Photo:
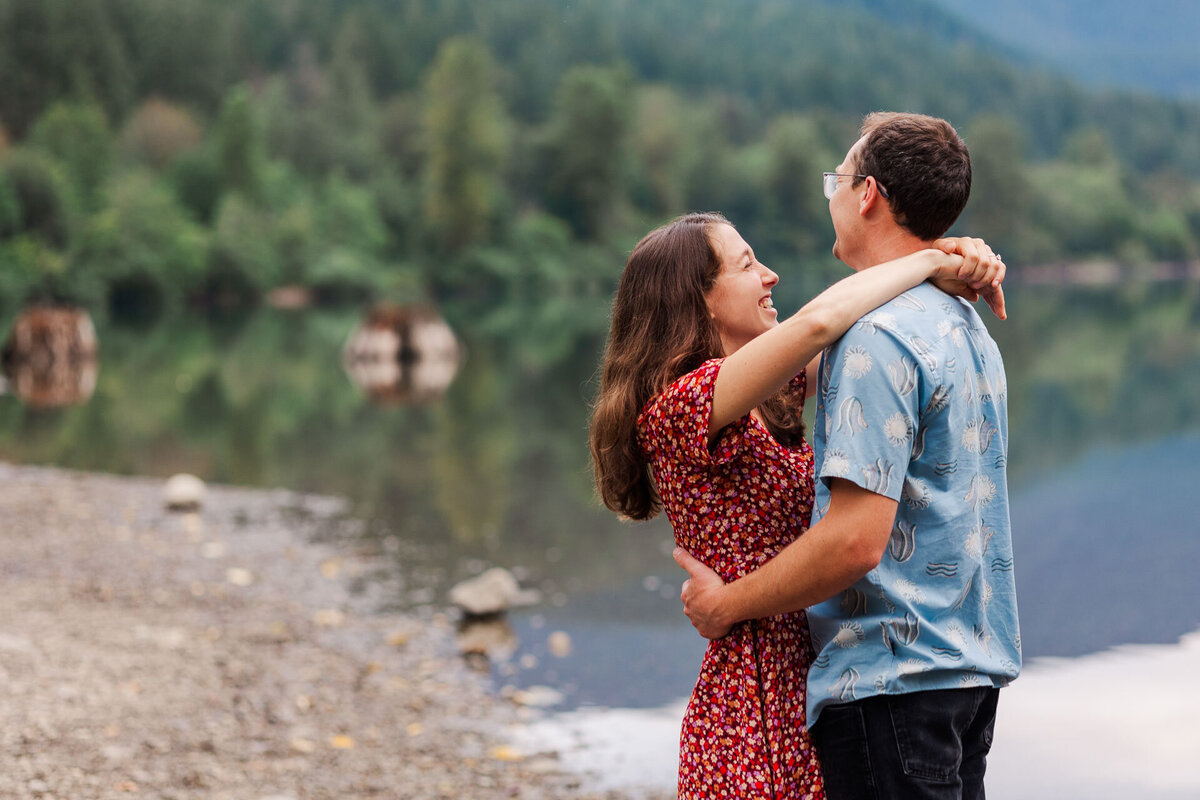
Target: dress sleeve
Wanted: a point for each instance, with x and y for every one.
(676, 421)
(798, 386)
(871, 403)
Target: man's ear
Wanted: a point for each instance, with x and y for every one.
(870, 196)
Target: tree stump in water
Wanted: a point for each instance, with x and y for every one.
(50, 357)
(402, 355)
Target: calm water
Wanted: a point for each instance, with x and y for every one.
(1104, 463)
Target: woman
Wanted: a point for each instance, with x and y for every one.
(699, 415)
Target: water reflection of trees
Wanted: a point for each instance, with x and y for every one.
(498, 470)
(1093, 366)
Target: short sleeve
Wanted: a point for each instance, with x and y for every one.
(798, 387)
(871, 410)
(676, 420)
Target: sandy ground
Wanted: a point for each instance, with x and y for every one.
(218, 654)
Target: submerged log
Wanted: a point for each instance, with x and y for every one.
(402, 355)
(49, 357)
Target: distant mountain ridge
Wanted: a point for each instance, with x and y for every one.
(1149, 45)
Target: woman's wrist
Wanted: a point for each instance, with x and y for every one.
(943, 265)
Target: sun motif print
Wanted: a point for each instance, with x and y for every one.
(912, 406)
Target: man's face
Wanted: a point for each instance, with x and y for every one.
(843, 209)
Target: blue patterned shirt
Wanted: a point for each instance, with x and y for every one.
(913, 405)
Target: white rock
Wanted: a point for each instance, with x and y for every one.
(184, 492)
(239, 577)
(16, 644)
(559, 644)
(491, 593)
(538, 697)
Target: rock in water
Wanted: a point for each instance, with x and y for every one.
(492, 637)
(50, 357)
(402, 354)
(492, 592)
(184, 492)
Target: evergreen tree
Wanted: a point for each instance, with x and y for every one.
(466, 138)
(1001, 194)
(240, 145)
(78, 137)
(587, 148)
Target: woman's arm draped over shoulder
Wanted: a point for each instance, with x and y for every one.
(756, 370)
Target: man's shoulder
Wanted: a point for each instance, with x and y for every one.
(907, 320)
(923, 314)
(921, 305)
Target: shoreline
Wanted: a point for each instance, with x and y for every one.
(224, 653)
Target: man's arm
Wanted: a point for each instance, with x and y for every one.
(843, 547)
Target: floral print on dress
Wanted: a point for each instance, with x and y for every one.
(734, 507)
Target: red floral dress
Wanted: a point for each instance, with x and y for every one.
(734, 508)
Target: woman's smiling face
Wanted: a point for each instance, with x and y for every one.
(740, 299)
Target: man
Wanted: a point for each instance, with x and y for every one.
(908, 565)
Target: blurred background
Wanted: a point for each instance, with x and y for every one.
(367, 248)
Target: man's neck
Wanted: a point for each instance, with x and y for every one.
(885, 245)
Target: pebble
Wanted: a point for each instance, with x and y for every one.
(184, 492)
(559, 644)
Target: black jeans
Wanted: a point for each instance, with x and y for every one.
(920, 746)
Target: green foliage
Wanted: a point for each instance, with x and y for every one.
(31, 271)
(1083, 202)
(540, 291)
(796, 156)
(586, 148)
(239, 145)
(196, 178)
(190, 51)
(43, 197)
(1165, 234)
(412, 146)
(10, 206)
(242, 248)
(323, 119)
(664, 151)
(144, 239)
(77, 136)
(351, 239)
(466, 132)
(400, 134)
(1001, 191)
(350, 218)
(59, 49)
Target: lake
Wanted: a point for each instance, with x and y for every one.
(1104, 388)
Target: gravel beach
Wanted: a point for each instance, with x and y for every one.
(226, 653)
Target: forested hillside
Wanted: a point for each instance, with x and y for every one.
(507, 155)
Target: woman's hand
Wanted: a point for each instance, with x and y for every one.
(980, 274)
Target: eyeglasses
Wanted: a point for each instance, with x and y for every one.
(831, 182)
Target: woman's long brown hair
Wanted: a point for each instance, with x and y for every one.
(661, 329)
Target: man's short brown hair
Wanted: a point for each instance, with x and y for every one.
(923, 165)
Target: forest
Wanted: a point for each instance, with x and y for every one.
(504, 157)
